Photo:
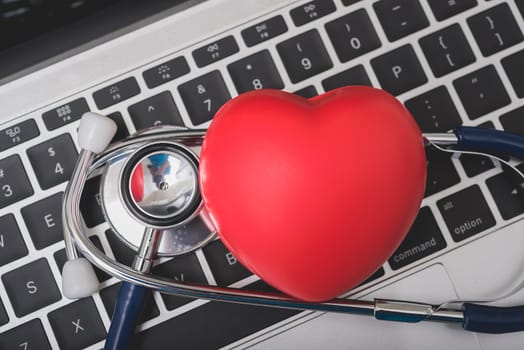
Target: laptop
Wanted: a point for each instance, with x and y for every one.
(452, 62)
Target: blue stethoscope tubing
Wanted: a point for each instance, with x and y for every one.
(136, 286)
(489, 140)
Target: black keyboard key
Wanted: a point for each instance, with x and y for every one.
(184, 268)
(61, 258)
(3, 317)
(122, 252)
(434, 111)
(520, 6)
(507, 189)
(110, 294)
(268, 29)
(512, 121)
(31, 287)
(14, 184)
(30, 335)
(399, 70)
(165, 72)
(447, 50)
(121, 131)
(65, 114)
(475, 164)
(77, 325)
(221, 323)
(376, 275)
(311, 11)
(349, 2)
(91, 204)
(352, 35)
(255, 72)
(307, 92)
(353, 76)
(156, 110)
(481, 92)
(441, 172)
(445, 9)
(203, 96)
(515, 71)
(53, 160)
(116, 92)
(225, 267)
(495, 29)
(400, 17)
(44, 220)
(423, 239)
(466, 213)
(18, 133)
(304, 56)
(215, 51)
(12, 244)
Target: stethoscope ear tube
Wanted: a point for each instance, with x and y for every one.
(486, 139)
(493, 319)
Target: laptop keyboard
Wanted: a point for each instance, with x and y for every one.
(450, 62)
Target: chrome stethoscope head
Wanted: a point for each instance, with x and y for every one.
(149, 195)
(155, 184)
(159, 185)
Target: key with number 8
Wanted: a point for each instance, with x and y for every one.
(255, 72)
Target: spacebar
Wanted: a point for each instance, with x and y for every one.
(210, 326)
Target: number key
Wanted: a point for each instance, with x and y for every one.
(53, 160)
(352, 35)
(255, 72)
(203, 96)
(304, 56)
(14, 184)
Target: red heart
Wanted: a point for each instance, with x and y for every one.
(313, 195)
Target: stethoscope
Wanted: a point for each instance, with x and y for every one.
(150, 191)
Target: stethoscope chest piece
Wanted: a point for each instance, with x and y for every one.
(156, 186)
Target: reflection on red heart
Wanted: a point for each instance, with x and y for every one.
(313, 195)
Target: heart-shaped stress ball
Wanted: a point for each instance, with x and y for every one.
(313, 195)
